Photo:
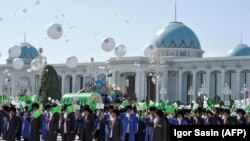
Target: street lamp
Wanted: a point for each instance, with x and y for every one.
(227, 93)
(190, 94)
(244, 91)
(163, 92)
(203, 91)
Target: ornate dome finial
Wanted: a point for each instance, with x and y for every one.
(175, 12)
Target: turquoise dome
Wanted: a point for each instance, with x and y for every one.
(28, 51)
(176, 35)
(240, 50)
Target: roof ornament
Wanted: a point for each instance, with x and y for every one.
(241, 37)
(24, 37)
(175, 12)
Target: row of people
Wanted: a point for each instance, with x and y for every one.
(110, 123)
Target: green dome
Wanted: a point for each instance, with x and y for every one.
(176, 35)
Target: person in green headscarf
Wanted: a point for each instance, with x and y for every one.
(54, 123)
(36, 123)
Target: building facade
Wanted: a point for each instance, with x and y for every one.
(177, 71)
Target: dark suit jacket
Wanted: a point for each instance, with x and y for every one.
(198, 121)
(117, 130)
(6, 119)
(242, 121)
(35, 128)
(53, 127)
(141, 130)
(88, 128)
(229, 121)
(70, 125)
(100, 133)
(13, 128)
(159, 133)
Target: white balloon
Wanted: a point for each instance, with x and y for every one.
(49, 98)
(108, 44)
(120, 50)
(14, 51)
(55, 31)
(149, 50)
(52, 100)
(17, 64)
(72, 62)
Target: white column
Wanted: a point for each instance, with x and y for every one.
(1, 84)
(157, 88)
(164, 84)
(73, 83)
(180, 85)
(222, 80)
(63, 84)
(33, 84)
(194, 85)
(238, 87)
(208, 83)
(137, 84)
(143, 82)
(13, 85)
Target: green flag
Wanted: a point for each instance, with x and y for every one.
(70, 109)
(56, 109)
(144, 106)
(37, 113)
(123, 104)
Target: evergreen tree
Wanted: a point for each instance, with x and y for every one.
(50, 86)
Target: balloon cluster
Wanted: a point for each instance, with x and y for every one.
(108, 45)
(15, 52)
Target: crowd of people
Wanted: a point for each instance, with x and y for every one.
(110, 123)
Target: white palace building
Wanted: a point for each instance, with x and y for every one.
(177, 72)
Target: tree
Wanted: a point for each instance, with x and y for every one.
(50, 86)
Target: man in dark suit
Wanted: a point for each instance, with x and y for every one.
(53, 123)
(1, 121)
(36, 123)
(13, 125)
(69, 124)
(159, 132)
(88, 124)
(6, 118)
(100, 126)
(198, 120)
(241, 117)
(20, 120)
(227, 119)
(116, 126)
(210, 120)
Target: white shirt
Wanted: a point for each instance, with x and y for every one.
(128, 116)
(65, 125)
(48, 117)
(156, 121)
(179, 121)
(112, 126)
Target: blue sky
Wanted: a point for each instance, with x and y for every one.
(134, 23)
